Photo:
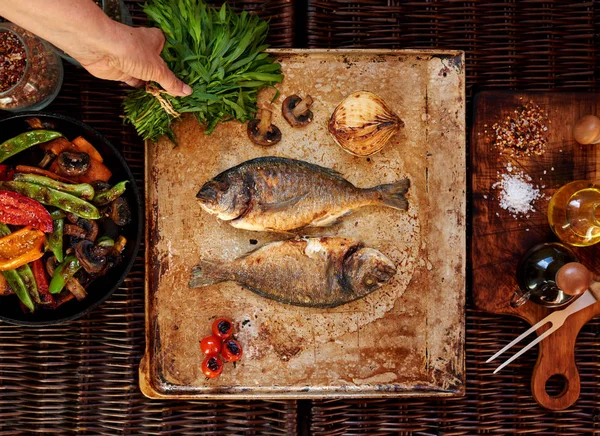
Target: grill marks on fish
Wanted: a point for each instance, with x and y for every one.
(311, 272)
(279, 194)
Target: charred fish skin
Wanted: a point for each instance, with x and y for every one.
(281, 194)
(308, 272)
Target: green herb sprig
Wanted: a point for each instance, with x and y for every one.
(219, 53)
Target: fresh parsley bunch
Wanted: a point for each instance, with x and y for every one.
(219, 53)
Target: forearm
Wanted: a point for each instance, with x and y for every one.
(79, 27)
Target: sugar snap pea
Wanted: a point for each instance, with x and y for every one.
(81, 190)
(21, 142)
(52, 197)
(63, 273)
(110, 195)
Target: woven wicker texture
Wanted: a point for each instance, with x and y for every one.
(526, 45)
(81, 377)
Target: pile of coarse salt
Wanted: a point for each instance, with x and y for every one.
(517, 192)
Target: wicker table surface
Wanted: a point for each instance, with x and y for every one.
(81, 377)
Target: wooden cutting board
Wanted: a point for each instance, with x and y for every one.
(499, 240)
(407, 338)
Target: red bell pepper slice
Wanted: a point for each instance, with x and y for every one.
(39, 272)
(18, 210)
(6, 173)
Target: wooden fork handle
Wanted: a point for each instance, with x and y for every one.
(557, 357)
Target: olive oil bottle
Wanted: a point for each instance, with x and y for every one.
(574, 213)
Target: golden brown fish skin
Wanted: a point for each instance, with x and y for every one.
(316, 272)
(279, 194)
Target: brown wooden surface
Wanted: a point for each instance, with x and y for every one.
(500, 240)
(405, 339)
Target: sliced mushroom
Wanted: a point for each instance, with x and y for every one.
(100, 186)
(119, 212)
(73, 163)
(76, 289)
(297, 111)
(81, 228)
(51, 264)
(34, 123)
(93, 259)
(261, 131)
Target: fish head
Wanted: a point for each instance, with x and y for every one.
(367, 270)
(226, 197)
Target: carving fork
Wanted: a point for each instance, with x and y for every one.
(573, 279)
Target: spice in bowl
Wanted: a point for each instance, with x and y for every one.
(13, 59)
(31, 72)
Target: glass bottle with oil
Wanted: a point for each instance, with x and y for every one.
(574, 213)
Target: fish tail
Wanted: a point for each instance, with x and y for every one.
(392, 195)
(207, 273)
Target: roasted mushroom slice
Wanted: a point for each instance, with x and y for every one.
(73, 163)
(51, 264)
(297, 111)
(76, 289)
(261, 131)
(119, 212)
(92, 258)
(81, 228)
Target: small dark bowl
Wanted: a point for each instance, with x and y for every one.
(102, 287)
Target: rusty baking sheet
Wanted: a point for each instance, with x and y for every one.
(407, 338)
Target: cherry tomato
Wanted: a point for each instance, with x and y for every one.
(212, 366)
(232, 350)
(222, 328)
(210, 345)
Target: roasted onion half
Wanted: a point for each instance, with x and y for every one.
(363, 123)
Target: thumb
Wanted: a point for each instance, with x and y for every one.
(170, 82)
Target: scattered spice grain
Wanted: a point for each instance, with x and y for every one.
(523, 132)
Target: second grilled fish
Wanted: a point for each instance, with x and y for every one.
(311, 272)
(280, 194)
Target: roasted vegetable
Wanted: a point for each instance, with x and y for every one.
(110, 195)
(18, 286)
(19, 210)
(25, 140)
(218, 53)
(81, 190)
(52, 197)
(21, 247)
(41, 280)
(63, 273)
(363, 123)
(55, 239)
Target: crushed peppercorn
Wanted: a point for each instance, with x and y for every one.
(13, 59)
(522, 133)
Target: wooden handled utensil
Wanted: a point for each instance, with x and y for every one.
(573, 279)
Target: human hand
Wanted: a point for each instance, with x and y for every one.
(133, 58)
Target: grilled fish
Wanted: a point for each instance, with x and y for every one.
(280, 194)
(310, 272)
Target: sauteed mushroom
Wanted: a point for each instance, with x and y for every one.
(73, 163)
(93, 258)
(297, 111)
(119, 212)
(81, 228)
(261, 131)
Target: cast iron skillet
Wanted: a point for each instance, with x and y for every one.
(102, 287)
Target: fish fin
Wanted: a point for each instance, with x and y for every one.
(281, 205)
(330, 220)
(392, 195)
(207, 273)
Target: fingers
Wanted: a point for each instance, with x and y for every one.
(134, 83)
(170, 82)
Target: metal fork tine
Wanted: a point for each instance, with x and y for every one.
(538, 339)
(520, 338)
